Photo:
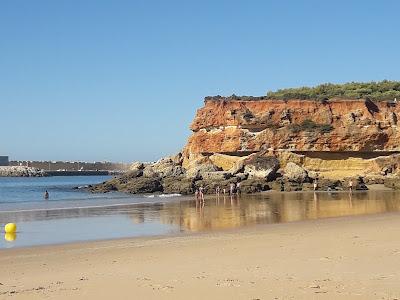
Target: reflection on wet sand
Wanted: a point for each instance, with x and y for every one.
(230, 212)
(221, 212)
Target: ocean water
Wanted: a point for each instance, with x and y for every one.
(72, 215)
(31, 189)
(27, 193)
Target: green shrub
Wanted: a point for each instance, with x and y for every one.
(310, 126)
(382, 90)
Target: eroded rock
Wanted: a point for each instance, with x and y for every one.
(295, 173)
(259, 166)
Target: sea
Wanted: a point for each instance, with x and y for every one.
(73, 214)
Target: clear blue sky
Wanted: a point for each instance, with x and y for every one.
(121, 80)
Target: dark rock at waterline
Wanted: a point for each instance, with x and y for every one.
(283, 184)
(143, 185)
(250, 186)
(393, 183)
(130, 175)
(105, 187)
(129, 183)
(179, 185)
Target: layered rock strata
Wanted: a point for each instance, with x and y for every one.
(239, 127)
(276, 144)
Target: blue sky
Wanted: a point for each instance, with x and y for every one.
(121, 80)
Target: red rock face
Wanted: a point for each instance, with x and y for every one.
(239, 126)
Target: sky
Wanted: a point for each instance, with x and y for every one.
(118, 80)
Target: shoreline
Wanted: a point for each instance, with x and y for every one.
(189, 234)
(341, 258)
(185, 216)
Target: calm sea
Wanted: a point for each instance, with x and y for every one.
(72, 215)
(27, 193)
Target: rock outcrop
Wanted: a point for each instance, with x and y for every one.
(295, 173)
(243, 126)
(277, 144)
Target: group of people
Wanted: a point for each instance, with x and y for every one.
(315, 185)
(234, 189)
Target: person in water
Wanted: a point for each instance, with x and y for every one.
(46, 195)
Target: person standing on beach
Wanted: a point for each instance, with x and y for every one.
(231, 188)
(46, 195)
(238, 188)
(315, 184)
(201, 192)
(217, 190)
(351, 185)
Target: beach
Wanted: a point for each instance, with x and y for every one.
(336, 258)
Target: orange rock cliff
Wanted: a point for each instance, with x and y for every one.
(238, 126)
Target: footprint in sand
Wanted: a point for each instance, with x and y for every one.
(228, 283)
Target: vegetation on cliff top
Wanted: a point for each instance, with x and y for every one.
(382, 90)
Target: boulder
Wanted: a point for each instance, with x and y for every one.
(217, 175)
(238, 167)
(295, 173)
(137, 165)
(392, 182)
(259, 166)
(149, 172)
(169, 171)
(286, 186)
(105, 187)
(250, 186)
(196, 171)
(242, 176)
(225, 162)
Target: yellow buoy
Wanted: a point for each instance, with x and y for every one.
(10, 228)
(10, 236)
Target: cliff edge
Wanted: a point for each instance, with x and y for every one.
(277, 144)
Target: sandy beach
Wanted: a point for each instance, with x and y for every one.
(336, 258)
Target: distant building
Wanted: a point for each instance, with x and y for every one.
(4, 161)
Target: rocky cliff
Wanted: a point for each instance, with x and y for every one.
(243, 126)
(277, 144)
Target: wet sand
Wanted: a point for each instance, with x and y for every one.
(337, 258)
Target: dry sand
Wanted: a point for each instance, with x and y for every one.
(338, 258)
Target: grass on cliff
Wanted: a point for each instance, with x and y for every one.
(310, 126)
(379, 91)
